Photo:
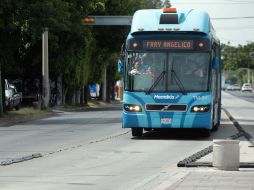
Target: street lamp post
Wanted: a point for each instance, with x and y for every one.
(248, 70)
(252, 57)
(45, 73)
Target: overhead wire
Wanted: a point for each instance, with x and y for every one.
(231, 18)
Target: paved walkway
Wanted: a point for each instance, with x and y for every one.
(205, 178)
(210, 179)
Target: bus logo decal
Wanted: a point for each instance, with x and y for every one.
(167, 97)
(166, 107)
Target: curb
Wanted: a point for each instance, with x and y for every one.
(24, 119)
(191, 160)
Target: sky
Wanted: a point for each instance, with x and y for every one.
(228, 18)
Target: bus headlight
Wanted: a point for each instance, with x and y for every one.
(200, 108)
(132, 108)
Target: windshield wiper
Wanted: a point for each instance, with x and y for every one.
(158, 79)
(178, 81)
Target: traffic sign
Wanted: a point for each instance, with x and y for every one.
(108, 20)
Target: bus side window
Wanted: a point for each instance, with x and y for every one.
(214, 74)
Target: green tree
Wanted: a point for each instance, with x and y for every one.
(10, 42)
(109, 39)
(238, 59)
(67, 38)
(77, 54)
(167, 3)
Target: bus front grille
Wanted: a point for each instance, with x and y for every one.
(166, 107)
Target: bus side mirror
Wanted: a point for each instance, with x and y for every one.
(121, 60)
(122, 54)
(216, 63)
(120, 66)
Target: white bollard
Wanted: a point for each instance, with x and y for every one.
(226, 154)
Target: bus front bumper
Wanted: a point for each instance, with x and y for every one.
(167, 120)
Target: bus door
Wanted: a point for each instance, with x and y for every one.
(216, 84)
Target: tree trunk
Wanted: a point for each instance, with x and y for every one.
(59, 88)
(77, 97)
(108, 84)
(65, 95)
(82, 97)
(104, 86)
(86, 94)
(101, 92)
(73, 97)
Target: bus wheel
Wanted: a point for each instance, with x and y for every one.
(137, 132)
(215, 127)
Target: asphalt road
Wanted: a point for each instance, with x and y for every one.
(248, 96)
(90, 150)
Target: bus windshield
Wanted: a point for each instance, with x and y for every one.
(167, 72)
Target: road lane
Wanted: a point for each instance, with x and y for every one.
(90, 150)
(117, 163)
(241, 109)
(248, 96)
(56, 133)
(95, 155)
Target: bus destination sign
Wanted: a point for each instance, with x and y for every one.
(168, 44)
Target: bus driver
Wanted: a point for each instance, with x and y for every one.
(194, 70)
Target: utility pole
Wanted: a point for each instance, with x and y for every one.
(45, 71)
(248, 70)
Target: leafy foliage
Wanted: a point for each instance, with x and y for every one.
(237, 57)
(239, 60)
(77, 54)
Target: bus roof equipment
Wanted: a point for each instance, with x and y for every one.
(170, 19)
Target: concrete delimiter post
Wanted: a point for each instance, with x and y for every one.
(226, 154)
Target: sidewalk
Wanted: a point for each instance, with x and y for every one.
(28, 114)
(210, 178)
(92, 105)
(23, 115)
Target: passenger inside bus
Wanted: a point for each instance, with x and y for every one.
(148, 64)
(136, 67)
(142, 73)
(194, 69)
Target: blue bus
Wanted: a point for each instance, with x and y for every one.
(171, 72)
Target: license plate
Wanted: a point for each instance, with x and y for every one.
(166, 120)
